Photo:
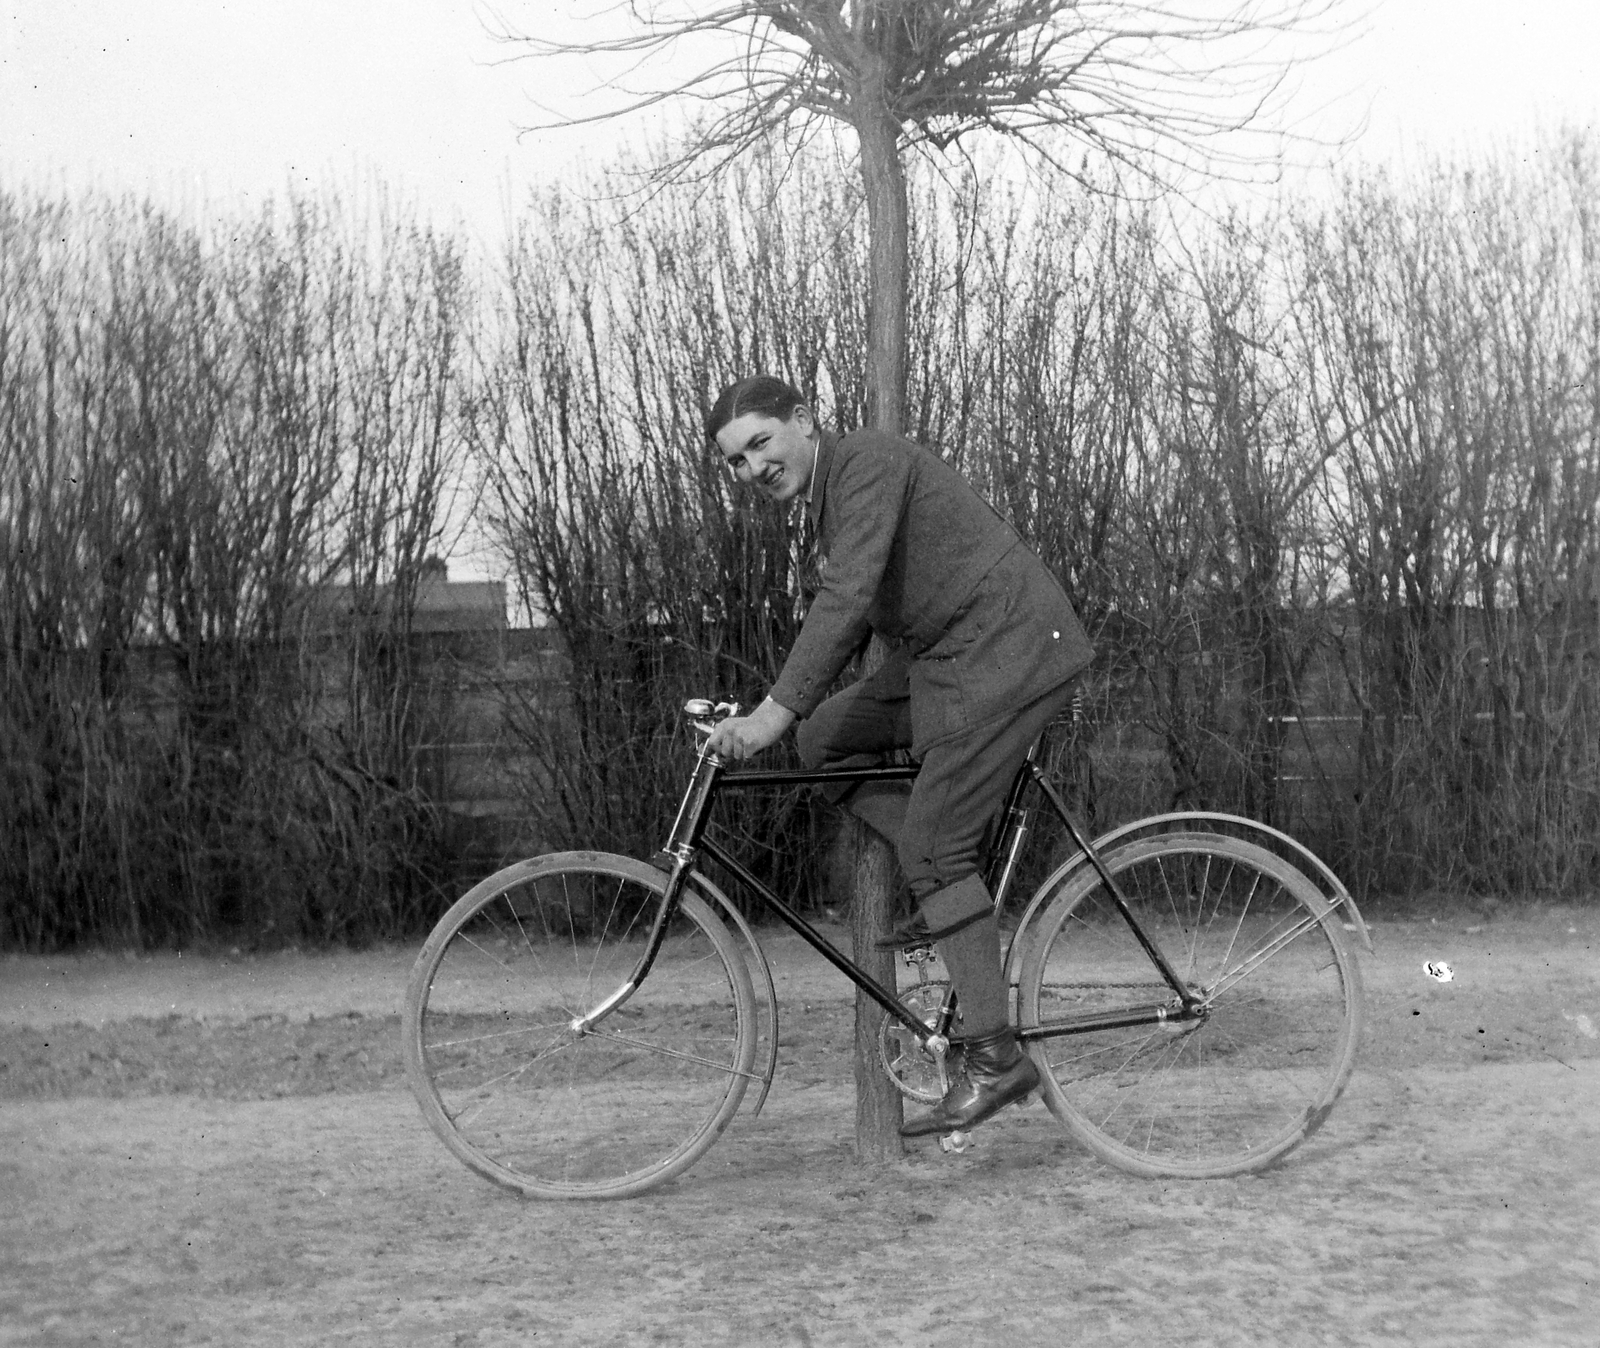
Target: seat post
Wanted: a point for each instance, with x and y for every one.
(1014, 819)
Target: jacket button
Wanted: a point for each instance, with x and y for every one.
(1056, 636)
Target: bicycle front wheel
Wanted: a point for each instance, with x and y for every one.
(1230, 1091)
(608, 1111)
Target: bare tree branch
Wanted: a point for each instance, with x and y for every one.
(1152, 86)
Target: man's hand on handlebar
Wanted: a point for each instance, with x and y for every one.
(741, 736)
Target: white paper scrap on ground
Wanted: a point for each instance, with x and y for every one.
(1439, 971)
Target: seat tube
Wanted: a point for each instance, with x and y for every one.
(1013, 832)
(1014, 835)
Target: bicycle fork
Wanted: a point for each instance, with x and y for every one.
(680, 850)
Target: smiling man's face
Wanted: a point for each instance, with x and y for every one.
(777, 456)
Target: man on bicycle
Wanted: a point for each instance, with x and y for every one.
(984, 645)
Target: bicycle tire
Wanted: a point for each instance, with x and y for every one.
(533, 1105)
(1230, 1093)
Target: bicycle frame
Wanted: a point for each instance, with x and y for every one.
(584, 1025)
(688, 840)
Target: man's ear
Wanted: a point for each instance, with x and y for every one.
(801, 416)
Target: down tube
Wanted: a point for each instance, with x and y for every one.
(818, 941)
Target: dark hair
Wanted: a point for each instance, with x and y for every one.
(759, 393)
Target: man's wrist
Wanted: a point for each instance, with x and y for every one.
(776, 712)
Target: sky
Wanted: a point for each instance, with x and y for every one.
(212, 105)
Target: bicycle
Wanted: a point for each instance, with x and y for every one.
(585, 1025)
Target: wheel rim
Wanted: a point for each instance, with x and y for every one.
(1257, 1073)
(520, 1096)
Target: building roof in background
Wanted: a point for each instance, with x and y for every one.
(442, 605)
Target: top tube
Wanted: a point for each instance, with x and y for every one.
(799, 776)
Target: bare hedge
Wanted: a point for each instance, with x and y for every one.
(1324, 485)
(198, 432)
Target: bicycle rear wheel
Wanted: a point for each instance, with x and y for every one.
(529, 1103)
(1222, 1095)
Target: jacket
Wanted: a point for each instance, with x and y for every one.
(908, 549)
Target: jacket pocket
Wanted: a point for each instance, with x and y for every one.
(940, 705)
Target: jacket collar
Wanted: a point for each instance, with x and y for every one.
(819, 476)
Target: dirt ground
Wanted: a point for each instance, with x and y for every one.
(223, 1151)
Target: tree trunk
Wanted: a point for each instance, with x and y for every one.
(884, 179)
(879, 1107)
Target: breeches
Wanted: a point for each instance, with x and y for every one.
(937, 821)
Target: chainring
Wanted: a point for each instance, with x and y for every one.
(910, 1066)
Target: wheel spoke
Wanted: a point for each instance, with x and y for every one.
(664, 1052)
(1264, 953)
(486, 1095)
(497, 1034)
